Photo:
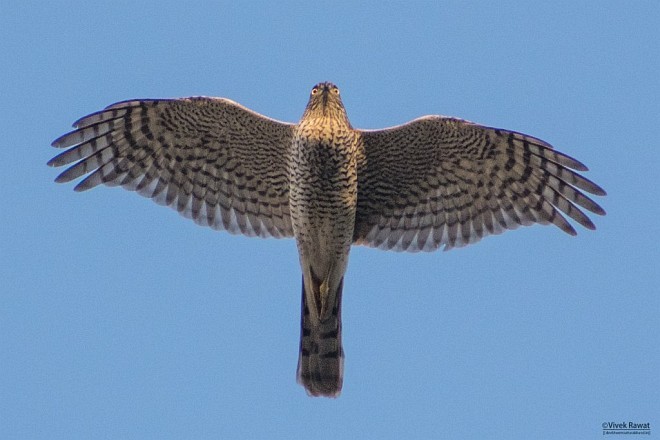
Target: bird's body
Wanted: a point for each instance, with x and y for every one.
(433, 182)
(323, 203)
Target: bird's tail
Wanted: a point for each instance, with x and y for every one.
(321, 358)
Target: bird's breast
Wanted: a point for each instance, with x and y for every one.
(323, 180)
(323, 164)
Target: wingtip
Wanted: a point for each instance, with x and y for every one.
(579, 165)
(600, 191)
(57, 143)
(569, 229)
(80, 187)
(590, 225)
(62, 178)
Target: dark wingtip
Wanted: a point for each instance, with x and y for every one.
(568, 228)
(56, 143)
(577, 165)
(589, 225)
(62, 178)
(600, 192)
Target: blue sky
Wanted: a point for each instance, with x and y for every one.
(121, 319)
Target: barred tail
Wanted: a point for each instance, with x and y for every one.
(321, 358)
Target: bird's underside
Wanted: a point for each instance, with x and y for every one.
(435, 182)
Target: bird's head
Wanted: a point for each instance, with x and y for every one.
(324, 101)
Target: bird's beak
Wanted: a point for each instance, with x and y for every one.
(324, 96)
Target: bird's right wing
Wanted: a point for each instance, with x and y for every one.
(439, 181)
(211, 159)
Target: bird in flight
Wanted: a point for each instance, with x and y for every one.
(434, 182)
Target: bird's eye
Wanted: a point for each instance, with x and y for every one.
(335, 90)
(315, 90)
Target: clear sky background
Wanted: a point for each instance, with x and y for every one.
(120, 319)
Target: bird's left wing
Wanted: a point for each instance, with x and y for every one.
(439, 181)
(211, 159)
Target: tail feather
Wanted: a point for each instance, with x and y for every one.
(321, 358)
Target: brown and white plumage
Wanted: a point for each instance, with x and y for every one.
(433, 182)
(211, 159)
(439, 181)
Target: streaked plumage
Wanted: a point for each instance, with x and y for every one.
(433, 182)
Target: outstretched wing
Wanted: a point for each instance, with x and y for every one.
(211, 159)
(439, 181)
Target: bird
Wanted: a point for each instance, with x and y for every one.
(436, 182)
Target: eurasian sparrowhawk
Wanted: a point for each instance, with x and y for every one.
(433, 182)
